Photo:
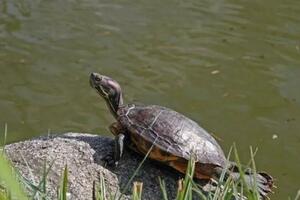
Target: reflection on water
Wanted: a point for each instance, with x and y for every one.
(232, 66)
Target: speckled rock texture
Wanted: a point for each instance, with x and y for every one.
(83, 154)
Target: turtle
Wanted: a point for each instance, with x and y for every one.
(172, 137)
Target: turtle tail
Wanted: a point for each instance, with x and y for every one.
(262, 180)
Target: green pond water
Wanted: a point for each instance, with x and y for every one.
(233, 66)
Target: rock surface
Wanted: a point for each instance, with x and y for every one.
(83, 154)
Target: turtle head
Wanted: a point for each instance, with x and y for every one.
(109, 89)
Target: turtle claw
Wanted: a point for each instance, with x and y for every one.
(109, 161)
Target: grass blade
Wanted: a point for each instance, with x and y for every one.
(137, 191)
(62, 192)
(99, 191)
(253, 166)
(185, 187)
(5, 135)
(298, 195)
(163, 188)
(135, 172)
(9, 179)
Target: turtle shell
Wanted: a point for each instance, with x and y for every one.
(175, 137)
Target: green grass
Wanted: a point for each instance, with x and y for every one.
(10, 187)
(12, 184)
(187, 188)
(63, 189)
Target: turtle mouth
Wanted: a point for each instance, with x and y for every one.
(97, 88)
(101, 84)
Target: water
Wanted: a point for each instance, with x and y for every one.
(232, 66)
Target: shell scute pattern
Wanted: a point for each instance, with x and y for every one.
(172, 132)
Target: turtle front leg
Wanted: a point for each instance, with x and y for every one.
(119, 133)
(119, 148)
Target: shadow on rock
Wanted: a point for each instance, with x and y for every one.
(148, 174)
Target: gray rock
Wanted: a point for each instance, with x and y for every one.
(83, 154)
